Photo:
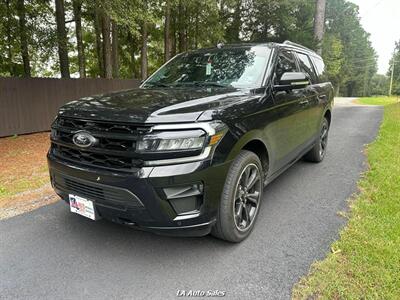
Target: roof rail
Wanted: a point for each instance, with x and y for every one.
(287, 42)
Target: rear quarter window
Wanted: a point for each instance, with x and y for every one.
(320, 69)
(306, 67)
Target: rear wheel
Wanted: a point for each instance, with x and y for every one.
(317, 153)
(240, 199)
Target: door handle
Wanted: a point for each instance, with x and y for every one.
(303, 102)
(322, 97)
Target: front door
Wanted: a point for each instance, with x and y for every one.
(290, 128)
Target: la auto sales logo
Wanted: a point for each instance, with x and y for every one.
(200, 293)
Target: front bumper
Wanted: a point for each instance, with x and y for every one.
(179, 200)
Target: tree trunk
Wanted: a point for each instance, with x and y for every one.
(62, 39)
(173, 34)
(365, 92)
(23, 38)
(181, 26)
(143, 52)
(77, 4)
(9, 39)
(196, 32)
(106, 46)
(167, 36)
(115, 57)
(319, 24)
(237, 22)
(99, 46)
(337, 90)
(132, 47)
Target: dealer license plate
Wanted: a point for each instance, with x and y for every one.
(82, 206)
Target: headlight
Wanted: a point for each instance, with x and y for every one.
(180, 143)
(172, 141)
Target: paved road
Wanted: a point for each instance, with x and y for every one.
(50, 253)
(345, 101)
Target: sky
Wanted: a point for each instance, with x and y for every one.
(381, 18)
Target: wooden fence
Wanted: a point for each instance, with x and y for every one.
(29, 105)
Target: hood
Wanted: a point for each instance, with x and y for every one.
(152, 105)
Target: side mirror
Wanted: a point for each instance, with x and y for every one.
(291, 81)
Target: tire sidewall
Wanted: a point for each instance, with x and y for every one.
(230, 231)
(324, 122)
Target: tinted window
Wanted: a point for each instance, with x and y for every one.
(237, 67)
(320, 68)
(306, 67)
(286, 63)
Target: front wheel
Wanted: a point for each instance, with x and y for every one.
(317, 153)
(240, 199)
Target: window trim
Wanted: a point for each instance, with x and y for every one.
(279, 50)
(321, 78)
(317, 79)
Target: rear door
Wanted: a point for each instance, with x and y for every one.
(324, 88)
(311, 94)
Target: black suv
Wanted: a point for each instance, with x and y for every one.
(190, 151)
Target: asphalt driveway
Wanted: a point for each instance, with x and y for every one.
(51, 253)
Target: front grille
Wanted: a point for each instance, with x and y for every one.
(94, 159)
(116, 198)
(114, 150)
(118, 144)
(89, 125)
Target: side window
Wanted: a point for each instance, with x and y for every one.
(306, 67)
(320, 68)
(286, 63)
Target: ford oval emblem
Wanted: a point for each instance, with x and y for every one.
(84, 139)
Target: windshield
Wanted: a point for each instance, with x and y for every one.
(242, 67)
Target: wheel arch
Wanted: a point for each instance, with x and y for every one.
(328, 116)
(254, 143)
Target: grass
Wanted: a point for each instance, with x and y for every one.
(23, 185)
(378, 100)
(365, 261)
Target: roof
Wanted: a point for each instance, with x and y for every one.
(285, 44)
(299, 47)
(237, 45)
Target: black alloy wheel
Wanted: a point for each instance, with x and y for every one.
(240, 199)
(247, 197)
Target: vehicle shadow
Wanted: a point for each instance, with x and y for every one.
(105, 234)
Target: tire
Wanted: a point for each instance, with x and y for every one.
(241, 198)
(318, 152)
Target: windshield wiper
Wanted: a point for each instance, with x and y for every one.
(202, 83)
(156, 84)
(207, 83)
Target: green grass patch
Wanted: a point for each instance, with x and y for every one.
(378, 100)
(22, 185)
(3, 191)
(365, 261)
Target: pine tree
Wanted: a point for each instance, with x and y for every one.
(62, 39)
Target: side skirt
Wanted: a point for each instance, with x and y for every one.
(271, 178)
